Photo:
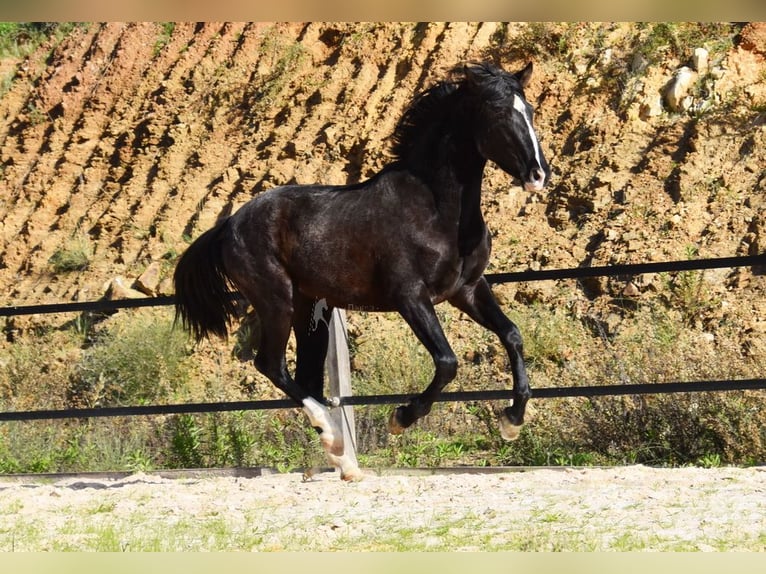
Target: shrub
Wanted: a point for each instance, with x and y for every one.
(137, 359)
(281, 440)
(74, 255)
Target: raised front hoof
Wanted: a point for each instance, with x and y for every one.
(394, 426)
(399, 420)
(510, 427)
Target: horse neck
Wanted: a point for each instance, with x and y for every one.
(455, 179)
(447, 161)
(466, 178)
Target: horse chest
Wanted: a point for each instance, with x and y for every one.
(475, 261)
(446, 279)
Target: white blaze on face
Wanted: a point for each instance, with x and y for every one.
(518, 105)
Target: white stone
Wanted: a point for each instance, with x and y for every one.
(606, 57)
(117, 288)
(650, 107)
(700, 60)
(639, 64)
(676, 91)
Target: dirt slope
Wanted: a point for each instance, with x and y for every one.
(135, 137)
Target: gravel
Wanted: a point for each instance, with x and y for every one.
(621, 508)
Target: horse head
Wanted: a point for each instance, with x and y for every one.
(503, 125)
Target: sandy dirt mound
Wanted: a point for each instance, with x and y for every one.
(134, 138)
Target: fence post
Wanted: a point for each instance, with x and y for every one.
(339, 375)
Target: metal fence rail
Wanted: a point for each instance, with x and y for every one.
(360, 400)
(755, 261)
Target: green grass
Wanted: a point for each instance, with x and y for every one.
(17, 39)
(136, 357)
(20, 39)
(286, 59)
(74, 255)
(105, 530)
(141, 360)
(166, 32)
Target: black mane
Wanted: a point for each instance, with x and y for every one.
(428, 109)
(423, 113)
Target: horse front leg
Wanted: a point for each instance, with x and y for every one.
(478, 302)
(422, 319)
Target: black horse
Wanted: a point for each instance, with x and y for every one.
(405, 240)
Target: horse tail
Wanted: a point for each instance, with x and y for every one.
(202, 298)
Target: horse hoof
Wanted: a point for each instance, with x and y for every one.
(352, 475)
(394, 422)
(349, 470)
(508, 430)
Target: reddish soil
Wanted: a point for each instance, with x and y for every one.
(137, 141)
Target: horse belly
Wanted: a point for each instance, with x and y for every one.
(345, 275)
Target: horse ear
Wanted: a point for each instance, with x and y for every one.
(524, 75)
(469, 72)
(476, 74)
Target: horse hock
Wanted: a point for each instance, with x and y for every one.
(332, 440)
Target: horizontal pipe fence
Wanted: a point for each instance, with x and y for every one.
(754, 261)
(457, 396)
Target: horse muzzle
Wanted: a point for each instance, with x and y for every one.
(536, 180)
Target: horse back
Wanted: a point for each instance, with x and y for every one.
(356, 246)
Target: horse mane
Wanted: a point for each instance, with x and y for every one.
(421, 114)
(428, 108)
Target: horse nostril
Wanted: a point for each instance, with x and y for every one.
(536, 180)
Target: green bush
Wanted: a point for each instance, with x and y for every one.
(137, 359)
(19, 38)
(74, 255)
(281, 440)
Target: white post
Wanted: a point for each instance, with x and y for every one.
(339, 375)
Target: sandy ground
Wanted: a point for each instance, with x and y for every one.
(601, 509)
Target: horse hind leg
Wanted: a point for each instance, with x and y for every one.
(330, 436)
(311, 326)
(270, 361)
(312, 334)
(332, 440)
